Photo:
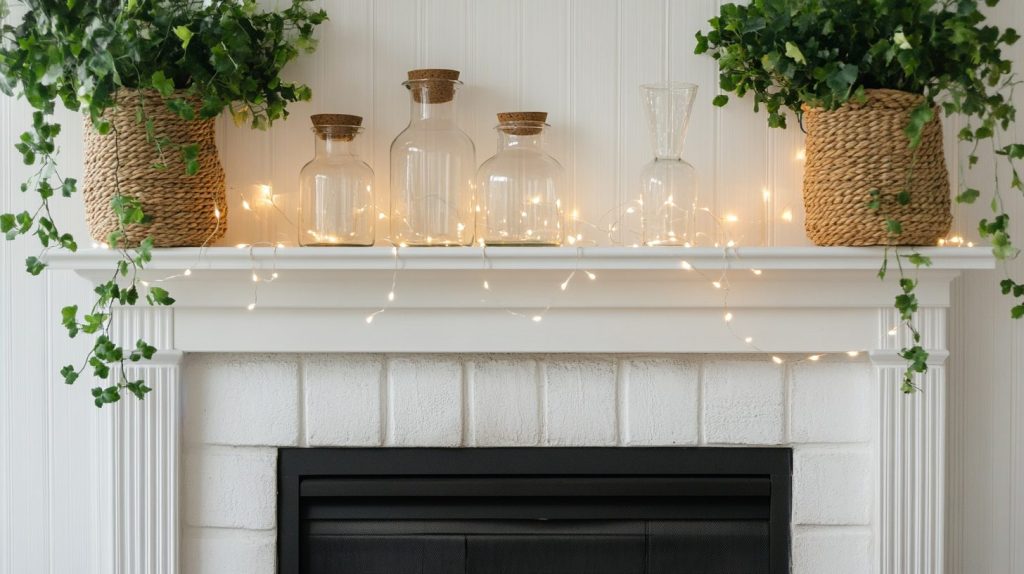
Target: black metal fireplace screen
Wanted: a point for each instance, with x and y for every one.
(534, 510)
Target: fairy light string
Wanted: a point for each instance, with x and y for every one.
(610, 226)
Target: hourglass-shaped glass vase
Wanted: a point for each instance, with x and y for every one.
(669, 184)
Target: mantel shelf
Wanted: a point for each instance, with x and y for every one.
(641, 299)
(524, 258)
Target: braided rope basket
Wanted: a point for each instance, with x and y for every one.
(182, 208)
(862, 147)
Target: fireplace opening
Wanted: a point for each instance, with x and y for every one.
(534, 510)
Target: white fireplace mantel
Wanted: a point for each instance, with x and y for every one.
(789, 300)
(641, 300)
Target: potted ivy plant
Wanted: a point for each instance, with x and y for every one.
(149, 77)
(869, 79)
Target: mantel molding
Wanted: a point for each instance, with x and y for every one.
(643, 300)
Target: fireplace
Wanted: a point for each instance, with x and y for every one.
(527, 510)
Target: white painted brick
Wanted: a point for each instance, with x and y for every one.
(231, 487)
(830, 402)
(342, 396)
(219, 551)
(662, 406)
(841, 550)
(505, 403)
(743, 402)
(581, 398)
(242, 399)
(425, 402)
(831, 486)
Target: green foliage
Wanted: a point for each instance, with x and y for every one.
(223, 54)
(825, 53)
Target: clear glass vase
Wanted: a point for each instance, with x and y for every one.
(336, 187)
(520, 188)
(433, 163)
(669, 184)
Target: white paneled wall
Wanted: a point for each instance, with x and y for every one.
(580, 60)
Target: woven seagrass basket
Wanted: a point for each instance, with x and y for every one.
(862, 147)
(183, 209)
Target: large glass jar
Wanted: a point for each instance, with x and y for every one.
(336, 188)
(432, 167)
(520, 188)
(669, 184)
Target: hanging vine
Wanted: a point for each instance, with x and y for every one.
(224, 54)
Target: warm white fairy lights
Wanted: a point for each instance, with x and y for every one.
(612, 226)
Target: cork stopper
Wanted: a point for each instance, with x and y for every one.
(522, 123)
(342, 127)
(433, 85)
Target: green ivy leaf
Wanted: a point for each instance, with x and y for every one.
(793, 52)
(183, 34)
(968, 196)
(162, 83)
(720, 100)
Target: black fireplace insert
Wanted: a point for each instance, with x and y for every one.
(534, 510)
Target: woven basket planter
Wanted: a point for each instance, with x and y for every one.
(862, 147)
(182, 208)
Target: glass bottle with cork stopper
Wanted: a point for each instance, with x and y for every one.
(521, 187)
(336, 188)
(432, 167)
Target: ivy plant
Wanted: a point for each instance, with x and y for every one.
(81, 54)
(825, 53)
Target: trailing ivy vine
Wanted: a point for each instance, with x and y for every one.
(825, 53)
(224, 54)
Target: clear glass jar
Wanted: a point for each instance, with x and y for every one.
(669, 184)
(336, 188)
(520, 188)
(433, 163)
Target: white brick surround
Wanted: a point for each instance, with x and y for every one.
(237, 408)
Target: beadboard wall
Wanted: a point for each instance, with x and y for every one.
(579, 60)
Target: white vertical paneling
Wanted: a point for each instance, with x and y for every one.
(26, 417)
(785, 206)
(595, 116)
(683, 21)
(493, 85)
(742, 169)
(544, 85)
(395, 48)
(641, 61)
(7, 364)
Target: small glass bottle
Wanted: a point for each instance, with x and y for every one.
(432, 167)
(336, 188)
(669, 184)
(520, 188)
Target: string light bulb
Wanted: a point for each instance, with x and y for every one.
(251, 306)
(717, 284)
(537, 318)
(728, 317)
(590, 275)
(391, 296)
(853, 353)
(187, 272)
(814, 357)
(777, 360)
(787, 215)
(748, 340)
